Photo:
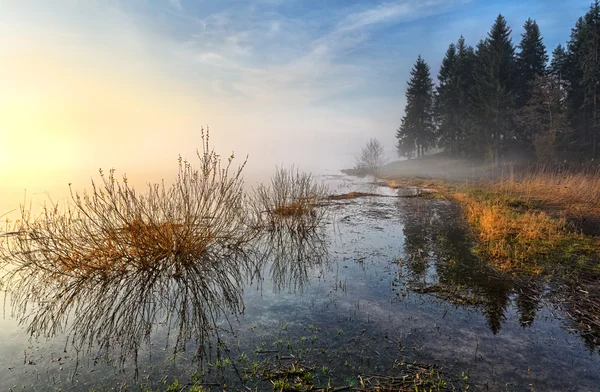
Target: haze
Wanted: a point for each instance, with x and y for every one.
(129, 84)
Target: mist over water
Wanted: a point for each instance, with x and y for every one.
(50, 185)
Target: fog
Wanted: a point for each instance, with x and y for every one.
(108, 91)
(129, 85)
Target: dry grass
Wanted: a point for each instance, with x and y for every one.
(351, 195)
(530, 220)
(114, 262)
(573, 194)
(291, 200)
(291, 210)
(518, 237)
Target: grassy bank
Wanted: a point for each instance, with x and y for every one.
(532, 221)
(538, 225)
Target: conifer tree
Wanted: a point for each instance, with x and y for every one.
(590, 81)
(464, 67)
(531, 60)
(416, 132)
(582, 72)
(446, 103)
(492, 94)
(573, 74)
(558, 64)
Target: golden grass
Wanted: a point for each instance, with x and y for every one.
(293, 210)
(393, 184)
(511, 241)
(576, 195)
(517, 232)
(531, 221)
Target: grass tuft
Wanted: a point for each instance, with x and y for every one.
(291, 200)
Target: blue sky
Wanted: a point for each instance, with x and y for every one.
(128, 84)
(335, 52)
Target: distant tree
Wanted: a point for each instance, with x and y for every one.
(465, 64)
(452, 101)
(558, 65)
(372, 157)
(573, 74)
(543, 117)
(417, 132)
(581, 70)
(590, 81)
(446, 107)
(531, 61)
(492, 94)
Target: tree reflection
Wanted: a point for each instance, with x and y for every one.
(434, 228)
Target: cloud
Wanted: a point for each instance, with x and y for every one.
(277, 59)
(176, 4)
(379, 14)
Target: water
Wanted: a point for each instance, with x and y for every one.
(388, 280)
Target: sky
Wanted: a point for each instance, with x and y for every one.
(128, 84)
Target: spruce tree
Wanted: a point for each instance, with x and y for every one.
(446, 103)
(416, 132)
(573, 75)
(492, 94)
(531, 60)
(464, 67)
(558, 63)
(582, 72)
(590, 81)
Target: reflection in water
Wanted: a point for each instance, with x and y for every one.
(367, 327)
(121, 310)
(438, 249)
(114, 263)
(118, 312)
(291, 255)
(117, 267)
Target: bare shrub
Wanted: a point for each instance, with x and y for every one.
(291, 200)
(119, 261)
(371, 158)
(114, 263)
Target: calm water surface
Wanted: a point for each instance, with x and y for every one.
(388, 279)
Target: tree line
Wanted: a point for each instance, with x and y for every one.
(498, 97)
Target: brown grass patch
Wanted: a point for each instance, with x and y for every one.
(115, 261)
(351, 195)
(291, 200)
(517, 238)
(293, 210)
(573, 195)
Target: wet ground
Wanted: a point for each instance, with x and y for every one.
(389, 280)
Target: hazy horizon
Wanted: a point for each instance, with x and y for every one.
(129, 84)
